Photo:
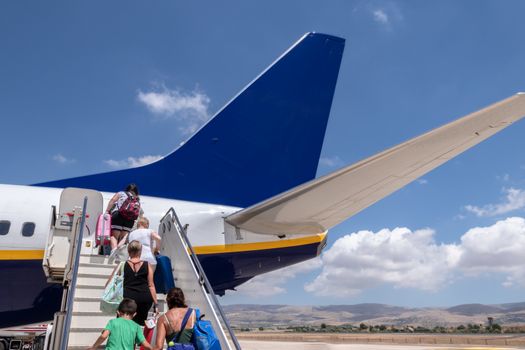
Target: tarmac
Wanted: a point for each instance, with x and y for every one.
(271, 345)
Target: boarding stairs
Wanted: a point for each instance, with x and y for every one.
(83, 273)
(87, 321)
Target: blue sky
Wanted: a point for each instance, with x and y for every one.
(75, 76)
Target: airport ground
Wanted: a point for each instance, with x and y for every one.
(308, 341)
(269, 345)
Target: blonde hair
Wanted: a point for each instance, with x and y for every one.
(134, 248)
(143, 221)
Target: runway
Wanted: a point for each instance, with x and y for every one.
(271, 345)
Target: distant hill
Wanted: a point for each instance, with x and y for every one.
(361, 312)
(369, 308)
(512, 307)
(474, 309)
(253, 315)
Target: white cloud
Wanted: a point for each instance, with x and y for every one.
(514, 200)
(496, 249)
(399, 257)
(412, 259)
(270, 284)
(189, 108)
(380, 16)
(331, 162)
(422, 181)
(131, 162)
(59, 158)
(387, 15)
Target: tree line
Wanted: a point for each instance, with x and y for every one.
(366, 328)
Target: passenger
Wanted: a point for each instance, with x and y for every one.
(169, 324)
(138, 283)
(120, 226)
(150, 241)
(122, 332)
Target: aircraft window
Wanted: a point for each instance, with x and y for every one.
(28, 229)
(4, 227)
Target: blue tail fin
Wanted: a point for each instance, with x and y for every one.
(263, 142)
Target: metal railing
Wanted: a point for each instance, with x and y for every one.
(70, 277)
(203, 279)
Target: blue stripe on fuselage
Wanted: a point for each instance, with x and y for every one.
(228, 270)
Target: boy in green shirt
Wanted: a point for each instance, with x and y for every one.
(122, 333)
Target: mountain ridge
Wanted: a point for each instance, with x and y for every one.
(256, 315)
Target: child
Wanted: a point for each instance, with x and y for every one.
(123, 333)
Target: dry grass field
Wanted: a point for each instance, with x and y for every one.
(399, 339)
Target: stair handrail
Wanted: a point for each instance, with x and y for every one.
(73, 282)
(202, 274)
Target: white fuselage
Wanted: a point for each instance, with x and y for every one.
(207, 229)
(21, 204)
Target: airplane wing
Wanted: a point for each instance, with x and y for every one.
(317, 205)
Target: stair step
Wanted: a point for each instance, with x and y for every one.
(92, 305)
(98, 270)
(89, 293)
(92, 322)
(95, 259)
(161, 298)
(83, 337)
(91, 280)
(91, 299)
(90, 314)
(86, 306)
(96, 294)
(109, 267)
(90, 286)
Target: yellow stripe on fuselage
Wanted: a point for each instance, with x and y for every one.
(245, 247)
(210, 249)
(21, 254)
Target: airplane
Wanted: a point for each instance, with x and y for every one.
(244, 182)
